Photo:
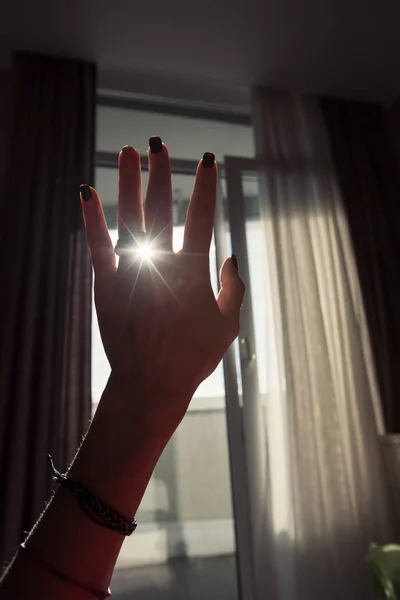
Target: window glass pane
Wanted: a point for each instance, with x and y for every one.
(260, 291)
(186, 137)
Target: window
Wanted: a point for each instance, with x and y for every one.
(187, 138)
(178, 516)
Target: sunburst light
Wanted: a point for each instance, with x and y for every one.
(145, 252)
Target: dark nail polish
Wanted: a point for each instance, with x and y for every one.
(155, 144)
(85, 192)
(235, 262)
(208, 160)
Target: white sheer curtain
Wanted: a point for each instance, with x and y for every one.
(326, 494)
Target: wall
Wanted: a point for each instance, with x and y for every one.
(201, 92)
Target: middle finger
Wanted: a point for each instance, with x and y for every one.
(158, 204)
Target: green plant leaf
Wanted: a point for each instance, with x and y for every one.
(385, 566)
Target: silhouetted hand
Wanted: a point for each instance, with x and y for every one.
(162, 328)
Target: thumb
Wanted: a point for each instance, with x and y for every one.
(230, 297)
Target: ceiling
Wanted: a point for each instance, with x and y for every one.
(217, 50)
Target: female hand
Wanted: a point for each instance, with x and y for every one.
(162, 328)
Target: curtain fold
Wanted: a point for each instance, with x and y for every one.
(328, 493)
(45, 396)
(369, 185)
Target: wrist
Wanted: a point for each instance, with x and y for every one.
(148, 407)
(130, 388)
(124, 442)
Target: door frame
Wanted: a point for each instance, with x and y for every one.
(241, 416)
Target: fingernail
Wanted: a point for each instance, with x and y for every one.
(155, 144)
(208, 160)
(85, 192)
(127, 147)
(235, 262)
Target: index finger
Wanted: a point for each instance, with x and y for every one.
(201, 210)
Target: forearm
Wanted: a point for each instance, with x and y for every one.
(115, 463)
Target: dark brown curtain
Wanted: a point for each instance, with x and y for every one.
(370, 184)
(45, 394)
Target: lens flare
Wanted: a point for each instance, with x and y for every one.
(145, 251)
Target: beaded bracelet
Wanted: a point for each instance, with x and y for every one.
(43, 563)
(97, 510)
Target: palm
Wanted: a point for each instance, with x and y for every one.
(169, 315)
